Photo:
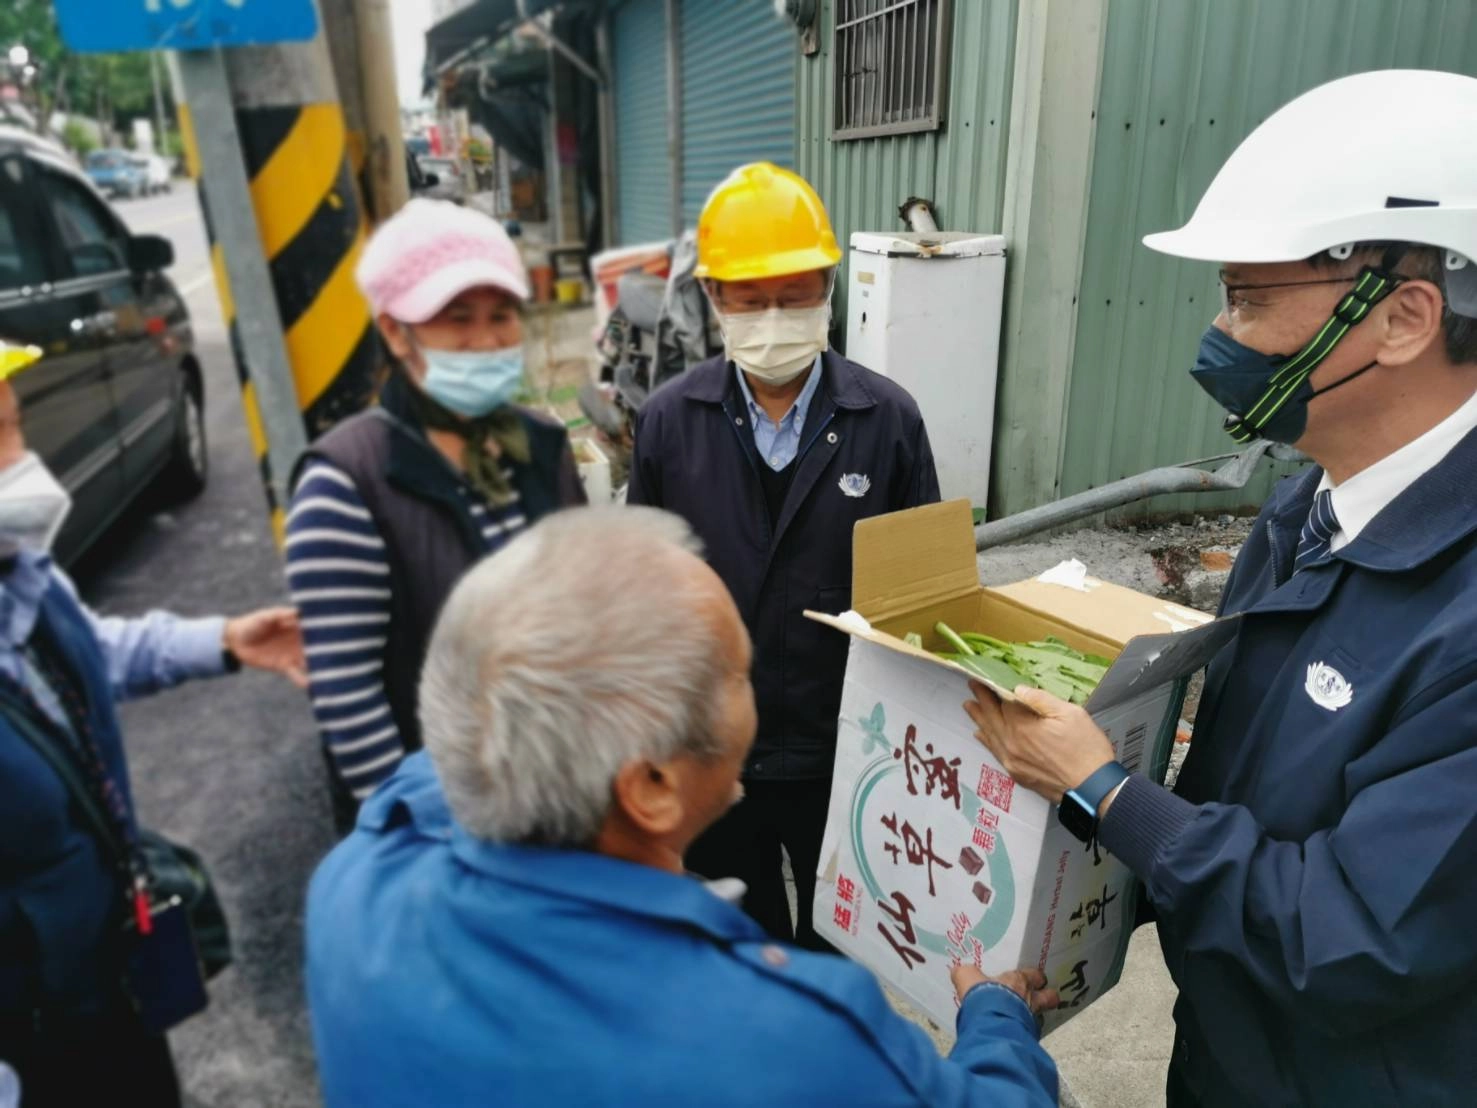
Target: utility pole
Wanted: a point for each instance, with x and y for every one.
(361, 44)
(105, 132)
(389, 184)
(299, 217)
(161, 144)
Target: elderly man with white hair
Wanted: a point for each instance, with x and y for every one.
(511, 921)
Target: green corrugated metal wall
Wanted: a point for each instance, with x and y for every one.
(738, 92)
(643, 179)
(961, 168)
(1182, 83)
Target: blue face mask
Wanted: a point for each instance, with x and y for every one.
(1267, 395)
(472, 383)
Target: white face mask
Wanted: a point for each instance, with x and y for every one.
(33, 507)
(776, 345)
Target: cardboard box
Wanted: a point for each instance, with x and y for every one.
(932, 854)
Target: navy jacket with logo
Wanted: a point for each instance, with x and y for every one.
(1315, 878)
(695, 456)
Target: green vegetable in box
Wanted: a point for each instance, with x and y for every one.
(1048, 664)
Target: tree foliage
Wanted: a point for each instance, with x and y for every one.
(114, 88)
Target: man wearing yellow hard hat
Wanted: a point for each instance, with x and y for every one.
(772, 453)
(96, 961)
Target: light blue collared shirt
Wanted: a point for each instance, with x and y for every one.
(144, 655)
(778, 445)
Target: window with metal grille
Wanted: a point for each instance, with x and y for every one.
(891, 66)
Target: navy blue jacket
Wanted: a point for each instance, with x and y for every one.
(61, 897)
(695, 456)
(1315, 879)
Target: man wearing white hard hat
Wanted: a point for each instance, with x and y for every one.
(1314, 873)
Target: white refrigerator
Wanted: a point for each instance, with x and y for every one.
(924, 310)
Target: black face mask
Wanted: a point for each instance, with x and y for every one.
(1267, 395)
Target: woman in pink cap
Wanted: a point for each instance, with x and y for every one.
(393, 505)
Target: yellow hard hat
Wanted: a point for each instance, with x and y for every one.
(764, 221)
(14, 358)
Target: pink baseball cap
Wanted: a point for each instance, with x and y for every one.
(429, 253)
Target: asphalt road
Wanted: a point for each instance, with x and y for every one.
(231, 767)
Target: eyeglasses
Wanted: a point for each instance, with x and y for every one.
(1231, 293)
(743, 304)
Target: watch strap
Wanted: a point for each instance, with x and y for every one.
(1092, 792)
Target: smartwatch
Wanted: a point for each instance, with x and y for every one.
(1078, 810)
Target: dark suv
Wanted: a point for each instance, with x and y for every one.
(117, 402)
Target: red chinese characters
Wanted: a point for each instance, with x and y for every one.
(936, 772)
(918, 848)
(995, 788)
(902, 916)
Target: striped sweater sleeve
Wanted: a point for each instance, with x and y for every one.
(339, 573)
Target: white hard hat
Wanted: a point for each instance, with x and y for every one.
(1387, 155)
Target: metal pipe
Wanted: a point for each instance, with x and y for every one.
(1233, 475)
(674, 111)
(226, 189)
(918, 214)
(605, 101)
(553, 42)
(463, 54)
(554, 167)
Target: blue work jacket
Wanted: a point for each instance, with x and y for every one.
(1315, 879)
(444, 970)
(863, 452)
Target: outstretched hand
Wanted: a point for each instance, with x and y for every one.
(269, 639)
(1029, 984)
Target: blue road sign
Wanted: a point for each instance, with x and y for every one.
(115, 26)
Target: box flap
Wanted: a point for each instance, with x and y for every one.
(1151, 660)
(1106, 610)
(907, 560)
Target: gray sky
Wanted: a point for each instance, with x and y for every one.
(411, 18)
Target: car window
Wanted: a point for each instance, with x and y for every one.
(90, 237)
(22, 261)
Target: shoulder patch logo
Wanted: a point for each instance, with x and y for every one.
(1328, 688)
(855, 484)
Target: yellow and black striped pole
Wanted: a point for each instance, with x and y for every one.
(311, 229)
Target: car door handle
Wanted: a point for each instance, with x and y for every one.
(100, 323)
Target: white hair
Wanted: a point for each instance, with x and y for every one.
(581, 646)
